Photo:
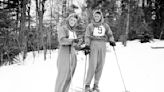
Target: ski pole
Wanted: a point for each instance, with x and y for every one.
(85, 68)
(120, 70)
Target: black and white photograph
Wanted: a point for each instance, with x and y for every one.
(81, 45)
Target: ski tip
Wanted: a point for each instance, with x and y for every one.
(157, 47)
(127, 91)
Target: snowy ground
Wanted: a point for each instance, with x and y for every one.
(142, 69)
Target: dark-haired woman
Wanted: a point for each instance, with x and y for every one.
(97, 34)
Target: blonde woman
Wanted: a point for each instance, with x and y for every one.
(66, 62)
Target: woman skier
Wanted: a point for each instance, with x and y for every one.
(66, 62)
(96, 36)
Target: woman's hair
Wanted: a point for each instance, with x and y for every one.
(64, 21)
(73, 15)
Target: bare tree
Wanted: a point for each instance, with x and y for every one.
(22, 37)
(40, 12)
(64, 8)
(127, 26)
(29, 17)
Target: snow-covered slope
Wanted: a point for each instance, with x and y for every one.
(141, 66)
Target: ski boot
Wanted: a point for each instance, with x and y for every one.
(87, 88)
(95, 88)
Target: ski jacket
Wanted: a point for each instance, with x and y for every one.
(98, 31)
(64, 32)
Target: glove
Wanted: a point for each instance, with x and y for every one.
(86, 49)
(112, 43)
(86, 52)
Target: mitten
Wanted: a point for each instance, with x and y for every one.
(112, 43)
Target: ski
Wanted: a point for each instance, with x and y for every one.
(78, 89)
(160, 47)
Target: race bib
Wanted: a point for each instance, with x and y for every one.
(72, 35)
(99, 31)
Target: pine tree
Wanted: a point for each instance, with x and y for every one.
(9, 44)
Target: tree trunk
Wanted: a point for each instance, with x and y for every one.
(64, 9)
(29, 20)
(161, 33)
(22, 36)
(50, 30)
(42, 31)
(37, 26)
(40, 12)
(17, 23)
(127, 26)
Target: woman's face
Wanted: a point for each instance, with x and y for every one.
(72, 21)
(97, 17)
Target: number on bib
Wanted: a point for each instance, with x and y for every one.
(99, 31)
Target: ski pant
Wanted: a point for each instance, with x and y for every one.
(66, 65)
(96, 61)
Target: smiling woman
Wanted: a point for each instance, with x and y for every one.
(66, 65)
(96, 36)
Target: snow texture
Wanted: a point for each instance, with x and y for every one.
(142, 68)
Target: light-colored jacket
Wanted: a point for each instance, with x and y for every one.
(66, 62)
